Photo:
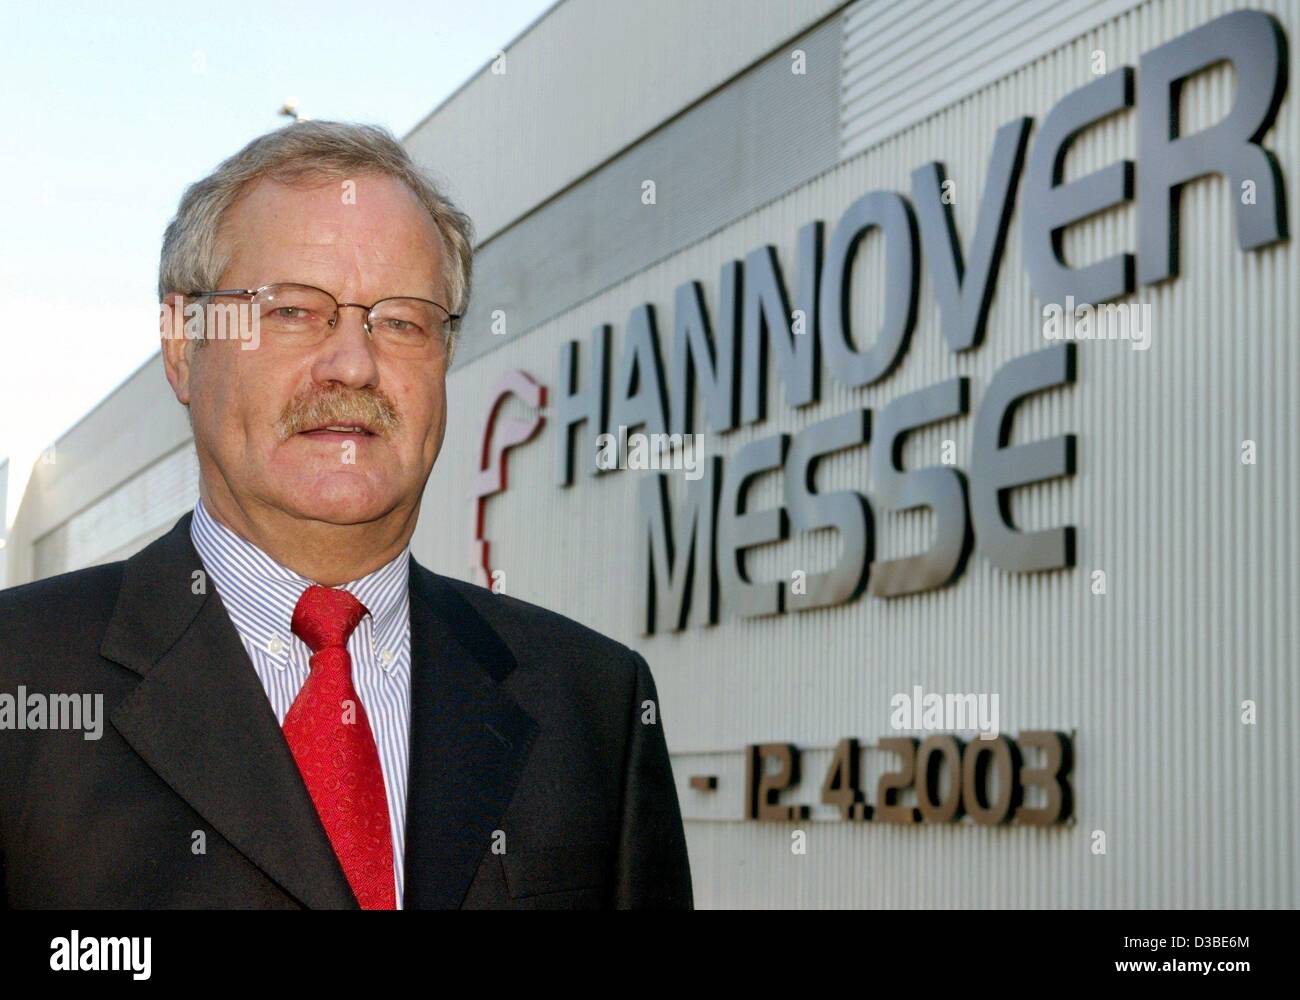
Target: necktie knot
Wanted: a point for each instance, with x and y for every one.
(325, 617)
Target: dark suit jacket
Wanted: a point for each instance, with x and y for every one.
(522, 722)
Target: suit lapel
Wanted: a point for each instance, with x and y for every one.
(469, 743)
(201, 719)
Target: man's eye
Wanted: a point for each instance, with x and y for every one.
(289, 312)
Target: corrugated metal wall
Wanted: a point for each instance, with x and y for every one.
(1200, 551)
(108, 486)
(906, 59)
(125, 520)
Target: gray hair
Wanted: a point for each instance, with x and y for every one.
(193, 258)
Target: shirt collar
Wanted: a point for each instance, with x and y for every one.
(260, 594)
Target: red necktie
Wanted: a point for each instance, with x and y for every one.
(329, 735)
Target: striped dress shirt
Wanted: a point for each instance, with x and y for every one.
(260, 595)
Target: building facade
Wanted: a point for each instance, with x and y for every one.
(980, 317)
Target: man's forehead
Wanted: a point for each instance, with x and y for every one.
(368, 200)
(371, 217)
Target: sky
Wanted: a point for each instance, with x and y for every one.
(112, 109)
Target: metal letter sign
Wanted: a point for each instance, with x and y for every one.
(699, 553)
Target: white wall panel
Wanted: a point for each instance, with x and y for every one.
(125, 520)
(591, 77)
(135, 426)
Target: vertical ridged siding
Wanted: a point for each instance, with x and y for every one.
(1200, 551)
(906, 59)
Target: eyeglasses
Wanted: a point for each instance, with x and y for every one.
(302, 316)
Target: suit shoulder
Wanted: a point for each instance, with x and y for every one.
(530, 627)
(92, 587)
(61, 605)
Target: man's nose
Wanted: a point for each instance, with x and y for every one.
(348, 354)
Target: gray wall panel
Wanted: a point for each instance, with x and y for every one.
(588, 79)
(769, 131)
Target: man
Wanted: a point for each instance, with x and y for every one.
(299, 714)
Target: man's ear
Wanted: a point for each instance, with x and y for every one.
(175, 345)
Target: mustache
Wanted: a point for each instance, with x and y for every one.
(369, 408)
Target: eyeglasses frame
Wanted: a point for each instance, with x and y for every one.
(453, 319)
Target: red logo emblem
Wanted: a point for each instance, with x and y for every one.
(496, 439)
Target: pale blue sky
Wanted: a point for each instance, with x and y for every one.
(111, 109)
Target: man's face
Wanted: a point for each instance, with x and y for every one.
(369, 246)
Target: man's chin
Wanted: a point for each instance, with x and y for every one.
(341, 499)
